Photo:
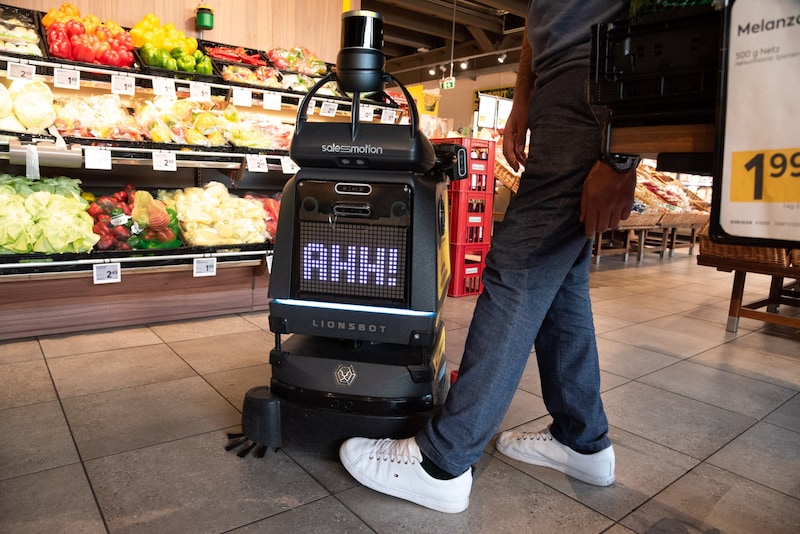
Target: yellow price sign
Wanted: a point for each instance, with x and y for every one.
(766, 176)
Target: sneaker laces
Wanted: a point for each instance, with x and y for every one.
(543, 435)
(394, 450)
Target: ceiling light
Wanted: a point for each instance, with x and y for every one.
(502, 57)
(432, 71)
(464, 65)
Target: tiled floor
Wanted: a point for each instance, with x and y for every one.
(124, 431)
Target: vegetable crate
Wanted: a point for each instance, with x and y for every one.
(467, 263)
(470, 217)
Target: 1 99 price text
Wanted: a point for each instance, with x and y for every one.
(766, 176)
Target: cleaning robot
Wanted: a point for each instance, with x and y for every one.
(360, 271)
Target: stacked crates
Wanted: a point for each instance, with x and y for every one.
(471, 201)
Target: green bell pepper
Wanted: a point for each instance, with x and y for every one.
(204, 66)
(186, 63)
(170, 63)
(151, 56)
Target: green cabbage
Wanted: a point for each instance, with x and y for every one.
(44, 216)
(5, 102)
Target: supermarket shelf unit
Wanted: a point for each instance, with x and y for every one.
(52, 294)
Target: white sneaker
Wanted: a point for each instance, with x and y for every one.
(394, 467)
(540, 448)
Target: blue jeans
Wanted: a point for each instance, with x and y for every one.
(535, 293)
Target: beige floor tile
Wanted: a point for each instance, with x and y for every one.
(96, 341)
(226, 351)
(771, 368)
(96, 372)
(685, 425)
(234, 384)
(629, 361)
(503, 499)
(200, 328)
(115, 421)
(309, 518)
(647, 337)
(25, 382)
(787, 416)
(194, 485)
(56, 500)
(740, 394)
(713, 500)
(643, 469)
(34, 438)
(19, 351)
(766, 454)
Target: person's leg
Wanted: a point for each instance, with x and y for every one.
(533, 252)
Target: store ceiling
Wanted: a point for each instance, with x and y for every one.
(420, 35)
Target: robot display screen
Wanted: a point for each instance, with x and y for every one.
(358, 262)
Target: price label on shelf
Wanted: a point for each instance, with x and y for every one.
(243, 97)
(328, 109)
(165, 161)
(288, 166)
(199, 92)
(123, 85)
(164, 86)
(272, 101)
(311, 107)
(97, 158)
(204, 267)
(106, 273)
(759, 164)
(766, 175)
(388, 116)
(67, 78)
(366, 113)
(20, 71)
(257, 163)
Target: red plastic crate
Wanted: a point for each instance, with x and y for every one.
(466, 266)
(470, 217)
(480, 160)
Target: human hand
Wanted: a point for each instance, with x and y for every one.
(514, 137)
(607, 198)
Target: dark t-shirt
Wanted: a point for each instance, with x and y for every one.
(559, 32)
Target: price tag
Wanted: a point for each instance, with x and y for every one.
(165, 161)
(164, 86)
(766, 175)
(288, 166)
(328, 109)
(106, 273)
(257, 163)
(758, 177)
(312, 106)
(123, 85)
(204, 267)
(67, 78)
(199, 92)
(97, 158)
(272, 101)
(20, 71)
(366, 113)
(388, 116)
(242, 96)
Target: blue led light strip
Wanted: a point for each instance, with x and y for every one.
(353, 307)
